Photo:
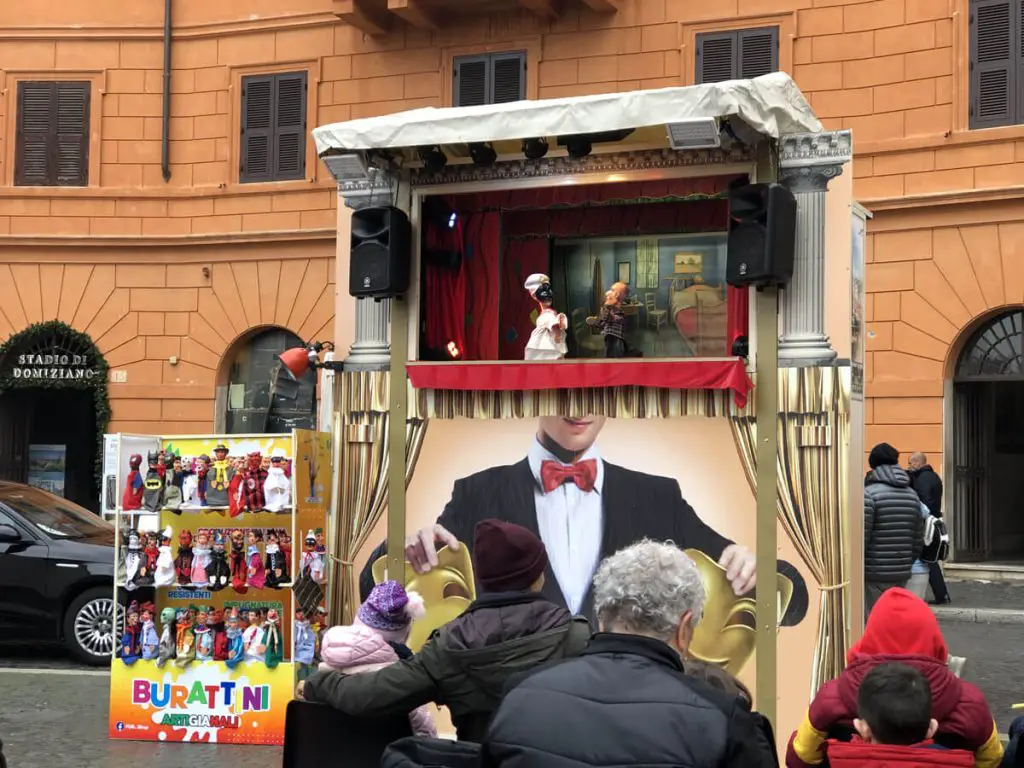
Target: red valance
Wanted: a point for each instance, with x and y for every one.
(572, 374)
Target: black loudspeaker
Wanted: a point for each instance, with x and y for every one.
(381, 253)
(762, 235)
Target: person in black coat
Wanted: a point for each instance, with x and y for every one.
(893, 525)
(583, 508)
(928, 485)
(627, 699)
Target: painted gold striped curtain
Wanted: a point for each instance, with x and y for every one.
(363, 480)
(814, 440)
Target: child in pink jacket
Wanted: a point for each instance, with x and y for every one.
(382, 624)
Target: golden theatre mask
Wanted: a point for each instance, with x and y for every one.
(447, 590)
(726, 635)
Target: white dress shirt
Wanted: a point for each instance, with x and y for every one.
(570, 523)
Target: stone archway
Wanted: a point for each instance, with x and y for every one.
(987, 439)
(53, 391)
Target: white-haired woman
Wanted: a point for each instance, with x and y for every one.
(627, 700)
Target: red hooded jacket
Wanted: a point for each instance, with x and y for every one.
(859, 754)
(901, 628)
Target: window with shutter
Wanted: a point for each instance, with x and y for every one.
(273, 143)
(52, 134)
(996, 63)
(495, 78)
(738, 54)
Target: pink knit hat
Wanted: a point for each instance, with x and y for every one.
(390, 610)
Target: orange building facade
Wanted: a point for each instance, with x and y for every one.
(153, 270)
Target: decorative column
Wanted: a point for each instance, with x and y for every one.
(807, 162)
(371, 350)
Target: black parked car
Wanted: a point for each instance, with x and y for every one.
(56, 574)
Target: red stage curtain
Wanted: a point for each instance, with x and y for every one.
(444, 291)
(522, 258)
(481, 259)
(738, 313)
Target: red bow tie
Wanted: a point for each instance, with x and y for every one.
(583, 474)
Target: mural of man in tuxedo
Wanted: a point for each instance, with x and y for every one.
(584, 509)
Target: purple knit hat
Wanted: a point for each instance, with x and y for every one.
(386, 609)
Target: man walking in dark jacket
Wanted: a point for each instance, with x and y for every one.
(928, 485)
(626, 700)
(509, 629)
(893, 525)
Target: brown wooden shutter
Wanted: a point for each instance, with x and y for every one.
(52, 134)
(716, 57)
(758, 51)
(257, 128)
(290, 126)
(995, 55)
(508, 77)
(72, 135)
(472, 81)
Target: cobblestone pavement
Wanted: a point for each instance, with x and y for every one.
(993, 654)
(54, 713)
(1006, 595)
(58, 718)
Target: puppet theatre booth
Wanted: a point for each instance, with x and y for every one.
(221, 561)
(551, 283)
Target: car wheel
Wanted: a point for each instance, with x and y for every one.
(90, 626)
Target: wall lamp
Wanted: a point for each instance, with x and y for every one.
(298, 360)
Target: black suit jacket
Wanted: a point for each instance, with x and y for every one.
(636, 506)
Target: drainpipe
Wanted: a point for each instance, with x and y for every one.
(165, 160)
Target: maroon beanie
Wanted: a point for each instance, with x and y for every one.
(507, 557)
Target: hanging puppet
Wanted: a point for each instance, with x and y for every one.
(165, 575)
(131, 640)
(547, 342)
(218, 573)
(235, 488)
(312, 564)
(275, 569)
(273, 649)
(167, 638)
(252, 638)
(150, 555)
(174, 495)
(149, 640)
(183, 562)
(235, 643)
(195, 483)
(132, 498)
(305, 640)
(257, 574)
(286, 550)
(320, 626)
(133, 562)
(153, 493)
(203, 636)
(277, 489)
(185, 640)
(220, 639)
(239, 568)
(219, 478)
(612, 321)
(253, 479)
(201, 558)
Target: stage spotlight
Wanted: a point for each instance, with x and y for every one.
(453, 350)
(482, 154)
(433, 158)
(578, 147)
(535, 149)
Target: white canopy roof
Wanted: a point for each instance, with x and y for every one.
(772, 105)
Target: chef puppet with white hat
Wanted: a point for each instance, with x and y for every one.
(547, 342)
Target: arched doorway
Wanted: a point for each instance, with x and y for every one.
(988, 442)
(258, 396)
(53, 411)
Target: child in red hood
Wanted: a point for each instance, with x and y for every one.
(894, 725)
(903, 629)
